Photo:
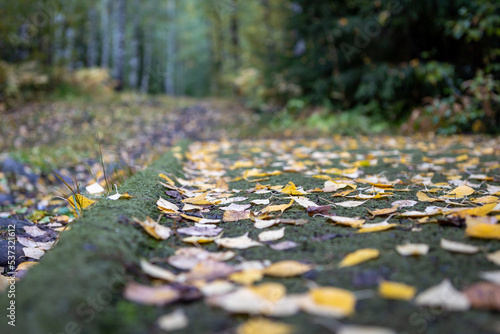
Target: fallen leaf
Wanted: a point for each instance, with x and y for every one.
(368, 228)
(359, 256)
(395, 290)
(458, 247)
(485, 200)
(494, 257)
(354, 329)
(422, 197)
(173, 321)
(342, 300)
(197, 200)
(492, 276)
(236, 207)
(270, 291)
(404, 203)
(460, 192)
(233, 216)
(443, 295)
(382, 212)
(272, 235)
(157, 272)
(201, 230)
(287, 268)
(260, 201)
(201, 239)
(280, 207)
(81, 201)
(154, 229)
(323, 209)
(350, 204)
(247, 277)
(94, 188)
(484, 295)
(34, 231)
(305, 202)
(241, 242)
(208, 270)
(149, 295)
(263, 326)
(166, 206)
(291, 189)
(34, 253)
(484, 231)
(412, 249)
(284, 245)
(347, 221)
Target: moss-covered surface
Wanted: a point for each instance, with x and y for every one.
(101, 252)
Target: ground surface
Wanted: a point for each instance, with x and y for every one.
(90, 278)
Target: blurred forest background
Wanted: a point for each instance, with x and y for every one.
(426, 65)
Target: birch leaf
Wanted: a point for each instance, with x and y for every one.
(263, 326)
(395, 290)
(287, 268)
(443, 295)
(412, 249)
(166, 206)
(280, 207)
(458, 247)
(340, 299)
(272, 235)
(241, 242)
(173, 321)
(157, 272)
(494, 257)
(148, 295)
(484, 231)
(359, 256)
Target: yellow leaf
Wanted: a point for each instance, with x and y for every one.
(201, 240)
(337, 298)
(368, 228)
(197, 200)
(494, 257)
(263, 326)
(193, 218)
(166, 178)
(287, 268)
(485, 199)
(359, 256)
(382, 212)
(479, 211)
(270, 291)
(247, 277)
(412, 249)
(394, 290)
(166, 206)
(291, 189)
(82, 202)
(422, 197)
(460, 192)
(154, 229)
(281, 207)
(485, 231)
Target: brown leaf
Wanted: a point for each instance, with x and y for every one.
(484, 295)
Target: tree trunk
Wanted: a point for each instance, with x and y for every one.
(133, 62)
(170, 66)
(234, 33)
(146, 64)
(105, 31)
(119, 43)
(91, 41)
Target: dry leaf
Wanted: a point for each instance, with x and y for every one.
(154, 229)
(291, 189)
(148, 295)
(166, 206)
(484, 295)
(270, 291)
(34, 231)
(404, 203)
(233, 216)
(241, 242)
(94, 188)
(395, 290)
(485, 231)
(383, 212)
(443, 295)
(494, 257)
(236, 207)
(272, 235)
(422, 197)
(460, 192)
(342, 300)
(305, 202)
(458, 247)
(205, 230)
(412, 249)
(284, 245)
(492, 276)
(247, 277)
(157, 272)
(368, 228)
(359, 256)
(347, 221)
(173, 321)
(260, 201)
(350, 204)
(263, 326)
(287, 268)
(354, 329)
(280, 207)
(34, 253)
(208, 270)
(201, 239)
(82, 202)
